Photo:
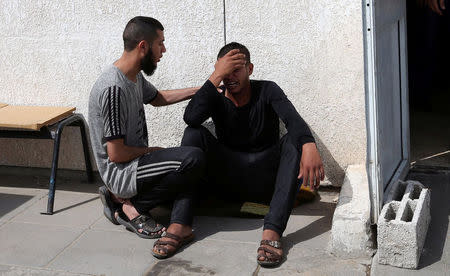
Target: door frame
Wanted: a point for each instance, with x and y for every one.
(376, 186)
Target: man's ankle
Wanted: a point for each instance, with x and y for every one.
(179, 228)
(269, 234)
(115, 199)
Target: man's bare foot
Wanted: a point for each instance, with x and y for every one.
(271, 236)
(129, 210)
(132, 213)
(182, 231)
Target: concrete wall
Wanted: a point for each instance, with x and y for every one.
(52, 52)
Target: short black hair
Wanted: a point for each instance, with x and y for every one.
(140, 28)
(234, 45)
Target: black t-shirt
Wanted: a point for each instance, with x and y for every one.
(252, 127)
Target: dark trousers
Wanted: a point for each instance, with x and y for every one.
(269, 176)
(169, 175)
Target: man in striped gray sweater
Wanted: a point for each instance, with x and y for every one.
(139, 177)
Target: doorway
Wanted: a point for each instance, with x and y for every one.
(387, 108)
(429, 87)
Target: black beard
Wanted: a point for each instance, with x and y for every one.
(147, 64)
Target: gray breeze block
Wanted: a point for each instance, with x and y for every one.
(403, 224)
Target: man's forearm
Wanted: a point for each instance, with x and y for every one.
(216, 78)
(202, 105)
(166, 97)
(121, 153)
(130, 153)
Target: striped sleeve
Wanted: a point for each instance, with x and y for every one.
(114, 113)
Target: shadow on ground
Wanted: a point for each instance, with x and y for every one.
(9, 202)
(222, 213)
(439, 184)
(39, 178)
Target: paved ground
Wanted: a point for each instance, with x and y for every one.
(78, 240)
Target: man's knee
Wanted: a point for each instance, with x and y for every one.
(195, 158)
(193, 136)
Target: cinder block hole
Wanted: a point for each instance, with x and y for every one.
(408, 213)
(415, 192)
(401, 188)
(391, 211)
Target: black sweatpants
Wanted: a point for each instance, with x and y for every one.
(169, 175)
(269, 176)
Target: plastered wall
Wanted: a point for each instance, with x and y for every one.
(51, 53)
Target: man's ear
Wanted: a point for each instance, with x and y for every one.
(250, 68)
(143, 46)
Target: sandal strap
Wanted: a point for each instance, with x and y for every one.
(142, 219)
(160, 242)
(172, 236)
(275, 256)
(147, 224)
(274, 244)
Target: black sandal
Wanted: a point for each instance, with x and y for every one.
(146, 223)
(160, 245)
(109, 206)
(274, 259)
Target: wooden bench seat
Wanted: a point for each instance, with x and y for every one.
(44, 122)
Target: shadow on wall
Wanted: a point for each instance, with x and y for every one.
(333, 170)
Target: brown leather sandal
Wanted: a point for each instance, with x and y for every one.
(274, 259)
(160, 245)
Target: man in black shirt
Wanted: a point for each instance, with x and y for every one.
(248, 161)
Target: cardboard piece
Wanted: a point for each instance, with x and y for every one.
(2, 105)
(32, 117)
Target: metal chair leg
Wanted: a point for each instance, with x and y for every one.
(77, 120)
(87, 157)
(52, 184)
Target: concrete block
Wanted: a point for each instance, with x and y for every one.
(351, 232)
(403, 225)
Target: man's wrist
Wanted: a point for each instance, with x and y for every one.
(215, 78)
(308, 145)
(194, 90)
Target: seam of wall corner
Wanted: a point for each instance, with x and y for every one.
(224, 25)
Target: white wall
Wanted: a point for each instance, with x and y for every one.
(51, 54)
(314, 51)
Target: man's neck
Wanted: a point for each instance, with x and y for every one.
(241, 98)
(129, 66)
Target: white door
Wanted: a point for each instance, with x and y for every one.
(386, 96)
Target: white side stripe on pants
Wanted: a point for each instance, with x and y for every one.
(157, 168)
(152, 174)
(159, 164)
